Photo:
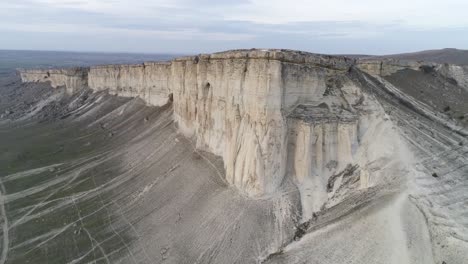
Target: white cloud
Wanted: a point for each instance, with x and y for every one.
(422, 14)
(413, 13)
(115, 7)
(218, 24)
(183, 34)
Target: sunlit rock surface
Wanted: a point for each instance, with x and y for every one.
(246, 156)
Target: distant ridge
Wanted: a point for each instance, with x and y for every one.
(449, 55)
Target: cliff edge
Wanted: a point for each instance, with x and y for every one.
(270, 114)
(340, 148)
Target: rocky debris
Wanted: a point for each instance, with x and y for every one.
(427, 68)
(322, 114)
(346, 173)
(333, 86)
(332, 164)
(164, 253)
(301, 230)
(77, 231)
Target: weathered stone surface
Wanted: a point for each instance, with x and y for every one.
(337, 150)
(233, 103)
(455, 72)
(386, 67)
(72, 78)
(243, 105)
(148, 81)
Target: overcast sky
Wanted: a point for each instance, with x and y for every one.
(189, 26)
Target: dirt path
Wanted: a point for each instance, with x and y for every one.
(6, 241)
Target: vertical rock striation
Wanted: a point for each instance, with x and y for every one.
(72, 78)
(319, 137)
(149, 81)
(236, 103)
(268, 113)
(232, 104)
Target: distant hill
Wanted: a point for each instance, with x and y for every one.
(452, 56)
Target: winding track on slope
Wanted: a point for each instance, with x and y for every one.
(6, 240)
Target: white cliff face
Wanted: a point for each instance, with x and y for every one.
(318, 151)
(337, 141)
(73, 79)
(149, 81)
(233, 108)
(236, 105)
(320, 137)
(269, 114)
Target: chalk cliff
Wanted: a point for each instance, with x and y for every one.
(235, 104)
(150, 81)
(72, 78)
(320, 150)
(268, 113)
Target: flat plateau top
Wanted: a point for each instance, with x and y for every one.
(283, 55)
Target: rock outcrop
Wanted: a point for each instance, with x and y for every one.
(386, 67)
(325, 149)
(72, 78)
(149, 81)
(268, 113)
(235, 104)
(456, 73)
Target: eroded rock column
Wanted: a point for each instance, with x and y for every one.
(232, 106)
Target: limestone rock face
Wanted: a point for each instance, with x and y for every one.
(318, 150)
(270, 114)
(73, 78)
(455, 72)
(386, 67)
(236, 105)
(233, 107)
(335, 148)
(148, 81)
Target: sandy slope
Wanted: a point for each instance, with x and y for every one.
(112, 181)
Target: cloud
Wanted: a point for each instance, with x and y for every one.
(221, 24)
(182, 34)
(416, 13)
